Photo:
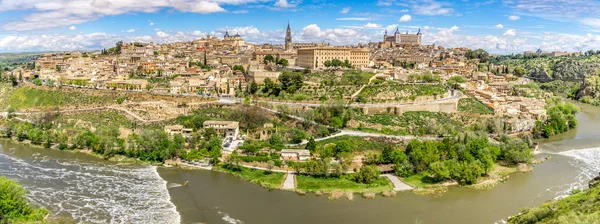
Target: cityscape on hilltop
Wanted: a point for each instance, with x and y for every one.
(270, 111)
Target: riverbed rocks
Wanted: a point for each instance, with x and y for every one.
(595, 182)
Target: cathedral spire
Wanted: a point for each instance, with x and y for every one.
(288, 38)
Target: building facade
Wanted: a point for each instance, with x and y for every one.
(403, 38)
(314, 58)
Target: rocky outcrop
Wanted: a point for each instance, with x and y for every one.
(590, 91)
(563, 69)
(595, 182)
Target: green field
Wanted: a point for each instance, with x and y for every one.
(398, 91)
(270, 180)
(471, 105)
(344, 183)
(413, 123)
(29, 97)
(358, 143)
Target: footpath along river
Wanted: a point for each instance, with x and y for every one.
(98, 191)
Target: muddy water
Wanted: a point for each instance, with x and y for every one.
(97, 191)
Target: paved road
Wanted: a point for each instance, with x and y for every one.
(368, 134)
(290, 182)
(398, 185)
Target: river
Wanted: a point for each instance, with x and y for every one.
(98, 191)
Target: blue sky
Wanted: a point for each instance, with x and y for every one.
(499, 26)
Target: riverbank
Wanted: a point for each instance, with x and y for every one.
(343, 185)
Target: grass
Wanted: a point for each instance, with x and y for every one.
(412, 123)
(103, 119)
(358, 143)
(396, 91)
(268, 180)
(578, 208)
(344, 183)
(32, 97)
(419, 180)
(471, 105)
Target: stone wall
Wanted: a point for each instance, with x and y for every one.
(446, 107)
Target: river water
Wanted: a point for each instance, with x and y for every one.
(97, 191)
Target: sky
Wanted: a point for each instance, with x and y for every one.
(498, 26)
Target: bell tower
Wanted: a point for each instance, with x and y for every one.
(288, 38)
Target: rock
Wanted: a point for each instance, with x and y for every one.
(595, 182)
(368, 195)
(352, 124)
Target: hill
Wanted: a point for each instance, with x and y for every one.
(579, 208)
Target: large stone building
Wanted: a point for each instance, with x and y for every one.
(315, 57)
(403, 38)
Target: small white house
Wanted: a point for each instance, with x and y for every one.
(295, 155)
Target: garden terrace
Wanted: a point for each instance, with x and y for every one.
(471, 105)
(410, 123)
(339, 78)
(393, 91)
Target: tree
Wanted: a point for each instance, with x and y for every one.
(269, 58)
(119, 46)
(439, 171)
(367, 174)
(311, 145)
(269, 84)
(336, 122)
(14, 204)
(283, 62)
(327, 64)
(239, 68)
(519, 71)
(253, 88)
(291, 82)
(276, 142)
(270, 165)
(342, 147)
(347, 63)
(298, 136)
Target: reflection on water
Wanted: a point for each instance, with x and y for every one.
(89, 190)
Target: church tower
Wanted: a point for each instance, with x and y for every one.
(288, 39)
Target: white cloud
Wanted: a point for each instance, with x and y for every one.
(372, 25)
(513, 17)
(151, 23)
(286, 4)
(405, 18)
(345, 10)
(447, 37)
(391, 28)
(48, 14)
(500, 26)
(337, 36)
(355, 19)
(432, 8)
(510, 33)
(204, 7)
(162, 34)
(72, 28)
(130, 31)
(557, 10)
(593, 22)
(385, 2)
